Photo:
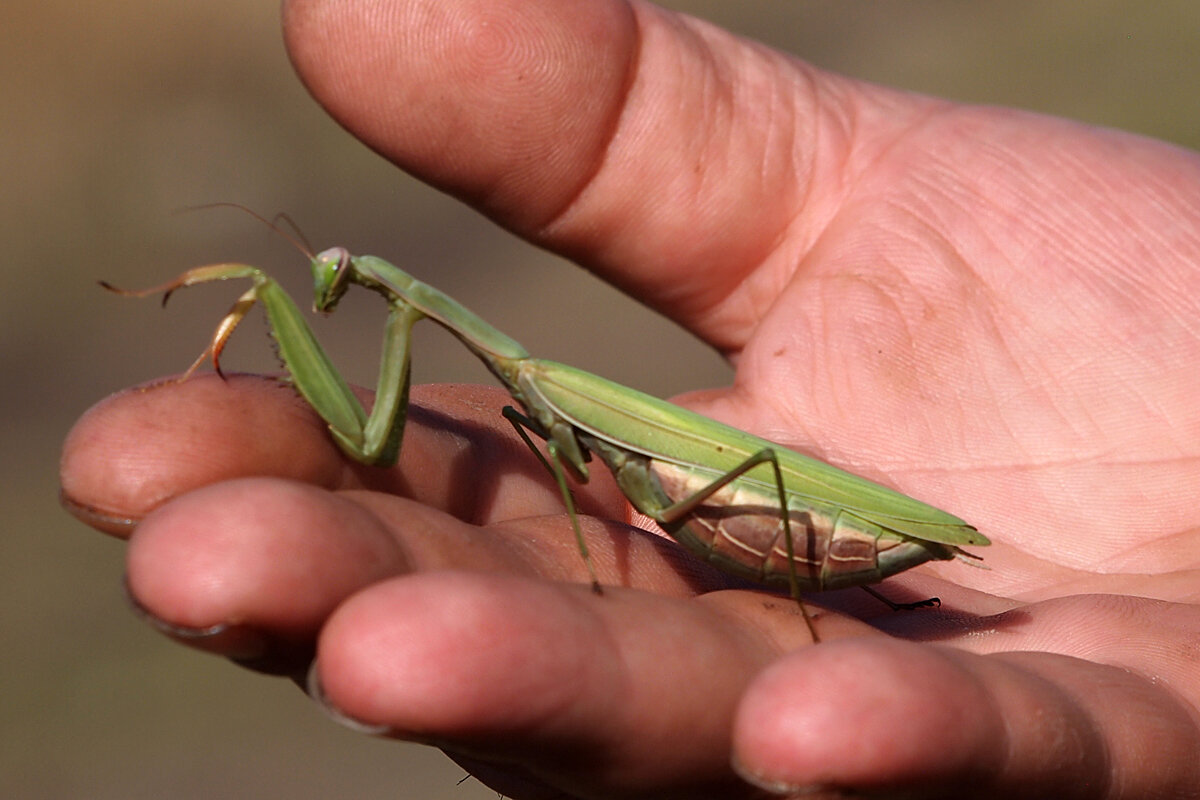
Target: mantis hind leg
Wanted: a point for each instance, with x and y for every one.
(686, 506)
(932, 602)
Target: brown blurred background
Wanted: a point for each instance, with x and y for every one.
(116, 114)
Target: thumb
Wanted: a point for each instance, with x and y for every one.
(509, 105)
(668, 156)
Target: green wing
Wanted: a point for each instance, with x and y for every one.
(664, 431)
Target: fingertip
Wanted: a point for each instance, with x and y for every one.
(477, 97)
(863, 714)
(136, 449)
(272, 554)
(452, 654)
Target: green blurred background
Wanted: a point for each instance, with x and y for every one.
(116, 114)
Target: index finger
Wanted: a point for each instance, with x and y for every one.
(140, 448)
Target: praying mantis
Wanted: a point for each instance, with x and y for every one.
(749, 507)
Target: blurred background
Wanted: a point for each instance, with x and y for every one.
(117, 114)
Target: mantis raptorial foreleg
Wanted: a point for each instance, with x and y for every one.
(373, 438)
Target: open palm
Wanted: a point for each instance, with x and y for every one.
(989, 310)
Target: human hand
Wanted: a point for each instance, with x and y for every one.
(986, 309)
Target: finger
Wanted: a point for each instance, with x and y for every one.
(576, 690)
(882, 714)
(251, 568)
(661, 151)
(133, 451)
(136, 450)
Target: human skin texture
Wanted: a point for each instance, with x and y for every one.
(991, 310)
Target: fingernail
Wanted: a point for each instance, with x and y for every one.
(232, 641)
(112, 523)
(317, 692)
(169, 628)
(786, 788)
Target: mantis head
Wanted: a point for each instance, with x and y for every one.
(330, 269)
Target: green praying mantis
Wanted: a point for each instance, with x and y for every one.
(748, 506)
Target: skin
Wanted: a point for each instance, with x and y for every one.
(991, 310)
